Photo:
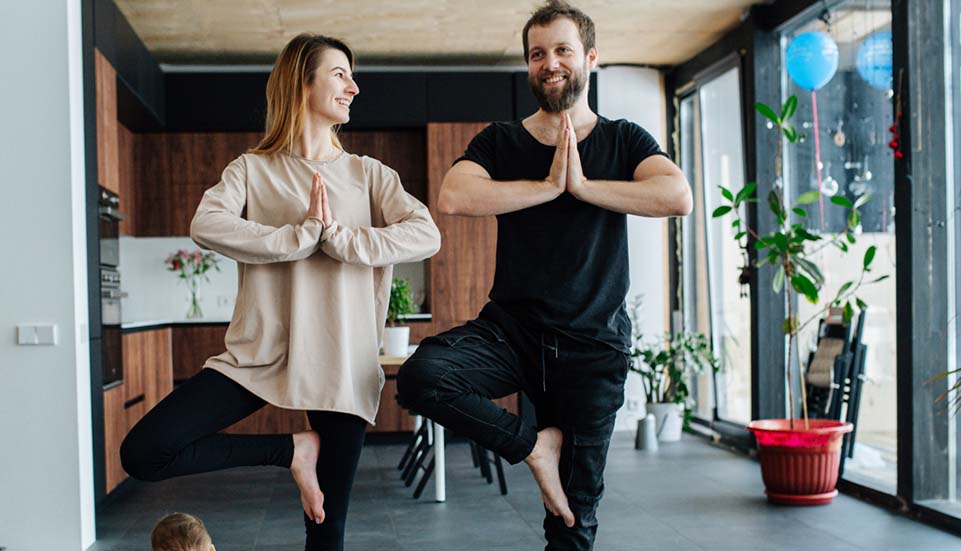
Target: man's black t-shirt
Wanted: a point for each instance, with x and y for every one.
(563, 264)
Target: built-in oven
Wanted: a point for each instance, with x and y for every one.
(110, 217)
(111, 293)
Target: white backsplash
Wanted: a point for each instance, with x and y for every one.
(157, 294)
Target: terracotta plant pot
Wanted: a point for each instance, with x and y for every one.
(800, 465)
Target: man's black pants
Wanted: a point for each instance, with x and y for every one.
(575, 385)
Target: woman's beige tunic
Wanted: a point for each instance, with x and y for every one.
(311, 301)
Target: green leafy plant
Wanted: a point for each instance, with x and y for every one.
(401, 303)
(790, 246)
(666, 366)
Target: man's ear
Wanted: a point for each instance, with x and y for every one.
(592, 58)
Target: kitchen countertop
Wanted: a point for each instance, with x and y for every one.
(158, 324)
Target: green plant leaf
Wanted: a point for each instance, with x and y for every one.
(745, 192)
(843, 247)
(781, 241)
(767, 113)
(869, 255)
(882, 278)
(803, 285)
(774, 203)
(854, 219)
(727, 193)
(842, 201)
(851, 239)
(847, 313)
(740, 235)
(847, 285)
(721, 211)
(777, 283)
(736, 223)
(790, 106)
(862, 200)
(790, 133)
(811, 268)
(807, 198)
(861, 304)
(800, 212)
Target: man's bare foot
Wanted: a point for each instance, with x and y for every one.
(304, 469)
(544, 462)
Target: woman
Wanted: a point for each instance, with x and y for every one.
(314, 231)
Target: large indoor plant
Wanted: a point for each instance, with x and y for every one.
(397, 337)
(666, 368)
(799, 458)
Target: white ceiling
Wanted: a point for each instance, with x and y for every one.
(654, 32)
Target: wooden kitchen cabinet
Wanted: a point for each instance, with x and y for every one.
(172, 170)
(148, 378)
(462, 273)
(115, 428)
(147, 365)
(107, 145)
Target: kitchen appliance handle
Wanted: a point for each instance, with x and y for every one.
(110, 212)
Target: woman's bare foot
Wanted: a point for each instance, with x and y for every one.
(544, 462)
(304, 469)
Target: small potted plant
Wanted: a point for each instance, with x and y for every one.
(397, 337)
(666, 368)
(799, 459)
(192, 268)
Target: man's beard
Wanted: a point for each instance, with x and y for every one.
(563, 99)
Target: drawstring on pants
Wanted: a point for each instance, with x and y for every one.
(543, 361)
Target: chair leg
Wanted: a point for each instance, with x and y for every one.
(500, 474)
(410, 473)
(473, 454)
(485, 465)
(408, 453)
(429, 470)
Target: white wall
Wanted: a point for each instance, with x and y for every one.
(156, 294)
(46, 486)
(637, 94)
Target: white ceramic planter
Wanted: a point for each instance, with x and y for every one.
(396, 340)
(669, 420)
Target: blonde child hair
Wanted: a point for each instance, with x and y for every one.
(180, 532)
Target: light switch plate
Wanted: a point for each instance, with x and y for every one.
(37, 334)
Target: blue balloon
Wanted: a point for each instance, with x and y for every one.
(811, 59)
(876, 60)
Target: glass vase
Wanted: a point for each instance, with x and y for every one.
(194, 311)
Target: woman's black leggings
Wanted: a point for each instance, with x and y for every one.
(180, 436)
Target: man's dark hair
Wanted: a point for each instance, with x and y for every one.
(554, 9)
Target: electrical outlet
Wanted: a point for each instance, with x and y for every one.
(28, 335)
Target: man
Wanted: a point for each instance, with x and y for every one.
(560, 183)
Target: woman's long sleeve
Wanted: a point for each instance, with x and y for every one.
(218, 225)
(409, 233)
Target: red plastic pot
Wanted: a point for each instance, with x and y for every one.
(800, 465)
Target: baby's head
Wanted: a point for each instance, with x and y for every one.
(180, 532)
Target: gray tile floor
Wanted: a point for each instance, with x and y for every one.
(688, 496)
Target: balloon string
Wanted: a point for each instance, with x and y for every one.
(817, 154)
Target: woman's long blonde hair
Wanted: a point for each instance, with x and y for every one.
(287, 87)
